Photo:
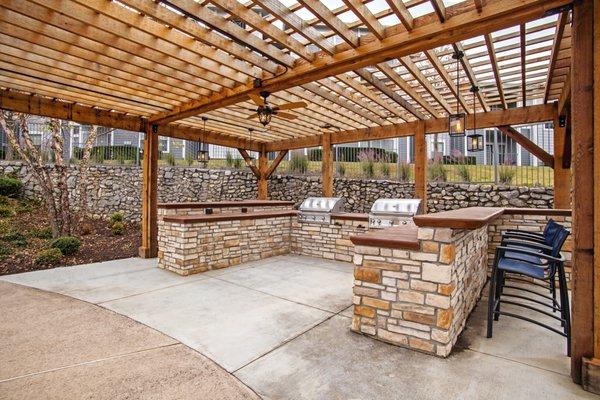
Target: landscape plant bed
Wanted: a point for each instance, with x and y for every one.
(31, 219)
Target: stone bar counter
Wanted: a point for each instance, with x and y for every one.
(197, 237)
(415, 286)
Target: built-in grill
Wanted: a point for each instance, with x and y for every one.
(319, 209)
(392, 212)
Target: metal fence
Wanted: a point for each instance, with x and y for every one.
(502, 161)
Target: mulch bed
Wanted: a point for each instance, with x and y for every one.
(99, 245)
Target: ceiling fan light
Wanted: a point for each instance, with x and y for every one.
(264, 115)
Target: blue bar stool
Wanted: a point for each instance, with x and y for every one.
(524, 258)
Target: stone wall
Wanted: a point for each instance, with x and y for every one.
(117, 188)
(420, 299)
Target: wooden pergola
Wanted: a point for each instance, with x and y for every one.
(368, 70)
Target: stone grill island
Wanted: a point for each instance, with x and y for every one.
(415, 285)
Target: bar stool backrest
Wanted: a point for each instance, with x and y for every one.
(550, 231)
(559, 240)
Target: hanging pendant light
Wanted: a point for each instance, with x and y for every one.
(202, 155)
(250, 162)
(474, 140)
(457, 122)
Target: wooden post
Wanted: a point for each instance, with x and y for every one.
(263, 181)
(327, 165)
(562, 175)
(149, 247)
(582, 104)
(421, 165)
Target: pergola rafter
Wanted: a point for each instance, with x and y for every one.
(179, 59)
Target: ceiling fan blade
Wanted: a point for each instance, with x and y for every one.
(252, 116)
(259, 101)
(286, 115)
(291, 106)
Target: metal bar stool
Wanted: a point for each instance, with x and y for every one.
(523, 258)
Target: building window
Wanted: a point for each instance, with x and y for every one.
(163, 145)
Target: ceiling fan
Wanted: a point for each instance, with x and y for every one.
(266, 111)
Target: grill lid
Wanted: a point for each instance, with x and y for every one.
(407, 207)
(322, 204)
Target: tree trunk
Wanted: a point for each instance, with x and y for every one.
(84, 166)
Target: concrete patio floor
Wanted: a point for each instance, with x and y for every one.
(281, 326)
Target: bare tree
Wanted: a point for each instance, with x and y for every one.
(52, 180)
(84, 167)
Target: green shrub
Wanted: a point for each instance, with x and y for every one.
(118, 228)
(6, 212)
(506, 175)
(464, 172)
(404, 172)
(67, 245)
(189, 159)
(10, 187)
(298, 163)
(437, 172)
(170, 159)
(367, 163)
(237, 163)
(116, 217)
(385, 170)
(24, 207)
(15, 237)
(4, 201)
(4, 251)
(44, 233)
(5, 227)
(229, 159)
(48, 257)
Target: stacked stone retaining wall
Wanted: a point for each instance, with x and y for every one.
(117, 188)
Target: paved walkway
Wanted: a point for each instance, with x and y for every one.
(279, 325)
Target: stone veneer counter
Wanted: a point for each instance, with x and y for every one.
(192, 241)
(415, 286)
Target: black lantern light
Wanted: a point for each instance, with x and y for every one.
(202, 155)
(250, 161)
(457, 122)
(474, 140)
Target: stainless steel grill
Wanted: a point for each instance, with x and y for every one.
(391, 212)
(319, 209)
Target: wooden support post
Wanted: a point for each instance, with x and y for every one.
(327, 165)
(562, 175)
(263, 181)
(587, 28)
(149, 247)
(582, 104)
(421, 165)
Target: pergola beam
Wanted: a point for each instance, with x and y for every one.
(466, 25)
(37, 105)
(528, 145)
(513, 116)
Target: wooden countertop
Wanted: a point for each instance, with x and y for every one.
(463, 218)
(476, 217)
(192, 219)
(227, 204)
(397, 237)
